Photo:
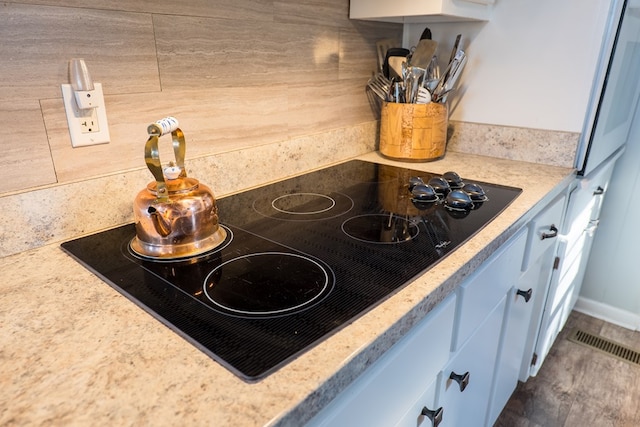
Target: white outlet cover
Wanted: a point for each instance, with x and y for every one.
(75, 117)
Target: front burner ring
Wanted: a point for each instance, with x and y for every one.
(267, 284)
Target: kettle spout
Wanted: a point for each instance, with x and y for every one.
(162, 226)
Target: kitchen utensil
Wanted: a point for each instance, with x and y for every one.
(397, 92)
(424, 96)
(454, 52)
(395, 66)
(456, 47)
(175, 216)
(423, 53)
(445, 83)
(451, 82)
(394, 52)
(380, 86)
(433, 70)
(426, 34)
(413, 77)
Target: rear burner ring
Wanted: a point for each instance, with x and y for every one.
(303, 206)
(267, 284)
(299, 203)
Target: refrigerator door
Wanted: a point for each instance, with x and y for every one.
(617, 89)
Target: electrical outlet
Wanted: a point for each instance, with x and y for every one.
(90, 124)
(86, 126)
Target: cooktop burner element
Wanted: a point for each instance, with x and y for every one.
(378, 228)
(267, 284)
(303, 258)
(301, 206)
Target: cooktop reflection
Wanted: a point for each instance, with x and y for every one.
(302, 259)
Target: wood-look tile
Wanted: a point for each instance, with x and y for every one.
(226, 53)
(621, 335)
(213, 121)
(327, 105)
(590, 413)
(540, 403)
(509, 418)
(38, 42)
(608, 388)
(312, 12)
(245, 9)
(629, 412)
(565, 365)
(583, 322)
(358, 56)
(25, 160)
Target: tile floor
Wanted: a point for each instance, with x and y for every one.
(578, 386)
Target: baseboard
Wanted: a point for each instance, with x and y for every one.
(608, 313)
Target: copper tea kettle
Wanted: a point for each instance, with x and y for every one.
(175, 216)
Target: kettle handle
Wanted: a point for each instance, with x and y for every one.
(152, 155)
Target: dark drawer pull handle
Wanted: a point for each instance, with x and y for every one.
(434, 416)
(462, 380)
(525, 294)
(554, 233)
(598, 191)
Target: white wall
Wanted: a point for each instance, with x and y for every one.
(532, 65)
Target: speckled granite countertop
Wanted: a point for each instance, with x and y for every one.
(73, 351)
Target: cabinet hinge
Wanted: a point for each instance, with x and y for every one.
(556, 263)
(534, 359)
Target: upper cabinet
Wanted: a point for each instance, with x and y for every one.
(420, 11)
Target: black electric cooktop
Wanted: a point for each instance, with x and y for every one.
(303, 258)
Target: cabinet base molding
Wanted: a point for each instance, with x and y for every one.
(608, 313)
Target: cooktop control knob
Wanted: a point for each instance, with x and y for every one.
(453, 179)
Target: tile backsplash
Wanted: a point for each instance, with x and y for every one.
(236, 74)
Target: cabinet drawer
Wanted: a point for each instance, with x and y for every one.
(383, 393)
(480, 293)
(544, 229)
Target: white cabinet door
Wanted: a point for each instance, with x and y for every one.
(539, 266)
(520, 301)
(467, 404)
(382, 395)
